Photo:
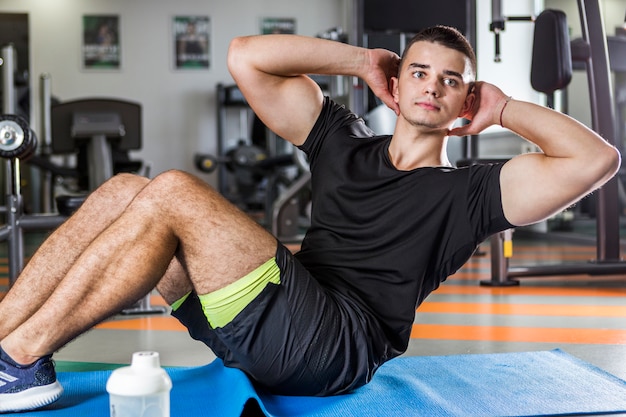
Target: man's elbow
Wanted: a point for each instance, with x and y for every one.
(610, 161)
(236, 54)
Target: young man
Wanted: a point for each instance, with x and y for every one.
(391, 219)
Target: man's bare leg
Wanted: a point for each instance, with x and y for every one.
(59, 252)
(175, 215)
(175, 283)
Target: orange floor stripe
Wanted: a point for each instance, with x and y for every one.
(470, 275)
(532, 291)
(554, 257)
(554, 249)
(518, 334)
(524, 309)
(157, 300)
(144, 323)
(467, 276)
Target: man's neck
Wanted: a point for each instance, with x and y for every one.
(410, 152)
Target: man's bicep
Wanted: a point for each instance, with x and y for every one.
(287, 103)
(535, 187)
(288, 106)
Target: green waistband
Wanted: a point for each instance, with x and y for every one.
(221, 306)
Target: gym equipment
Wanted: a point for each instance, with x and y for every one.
(259, 171)
(7, 63)
(14, 35)
(498, 24)
(285, 210)
(551, 24)
(99, 129)
(16, 138)
(590, 51)
(617, 53)
(102, 131)
(251, 166)
(17, 141)
(243, 156)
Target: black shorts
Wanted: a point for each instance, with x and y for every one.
(295, 338)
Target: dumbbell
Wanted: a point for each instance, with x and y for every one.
(17, 140)
(206, 163)
(243, 156)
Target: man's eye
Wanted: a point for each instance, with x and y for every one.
(450, 82)
(418, 74)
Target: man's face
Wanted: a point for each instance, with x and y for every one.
(432, 85)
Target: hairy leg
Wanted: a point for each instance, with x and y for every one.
(58, 253)
(175, 283)
(174, 215)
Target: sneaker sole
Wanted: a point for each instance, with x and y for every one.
(31, 398)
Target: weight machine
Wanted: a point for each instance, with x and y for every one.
(97, 122)
(17, 142)
(591, 52)
(259, 173)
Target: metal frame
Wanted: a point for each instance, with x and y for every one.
(17, 222)
(593, 51)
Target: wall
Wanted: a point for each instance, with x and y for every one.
(179, 112)
(179, 106)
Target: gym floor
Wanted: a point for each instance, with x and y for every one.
(582, 315)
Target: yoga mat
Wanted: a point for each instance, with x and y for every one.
(507, 384)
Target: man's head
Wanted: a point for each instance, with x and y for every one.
(435, 78)
(450, 38)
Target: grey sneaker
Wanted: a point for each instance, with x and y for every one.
(27, 387)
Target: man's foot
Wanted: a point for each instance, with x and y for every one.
(27, 387)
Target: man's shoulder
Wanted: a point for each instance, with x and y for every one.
(336, 120)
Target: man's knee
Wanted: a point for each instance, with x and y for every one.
(119, 189)
(180, 184)
(124, 181)
(185, 199)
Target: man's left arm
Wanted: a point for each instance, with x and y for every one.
(574, 160)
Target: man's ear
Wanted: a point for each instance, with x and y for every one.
(468, 104)
(394, 88)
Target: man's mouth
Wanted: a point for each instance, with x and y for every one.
(427, 105)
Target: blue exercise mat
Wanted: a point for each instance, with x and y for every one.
(507, 384)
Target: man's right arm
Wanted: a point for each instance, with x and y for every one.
(271, 72)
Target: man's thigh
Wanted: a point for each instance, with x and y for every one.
(217, 242)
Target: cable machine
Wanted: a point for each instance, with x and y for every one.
(592, 51)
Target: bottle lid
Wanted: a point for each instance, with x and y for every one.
(144, 376)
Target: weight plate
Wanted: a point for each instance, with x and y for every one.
(16, 138)
(11, 135)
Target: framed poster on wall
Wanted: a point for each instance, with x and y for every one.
(191, 39)
(101, 42)
(285, 25)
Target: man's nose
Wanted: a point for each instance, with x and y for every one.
(432, 88)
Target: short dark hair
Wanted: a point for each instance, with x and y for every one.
(446, 36)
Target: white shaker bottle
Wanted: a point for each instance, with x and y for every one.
(141, 389)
